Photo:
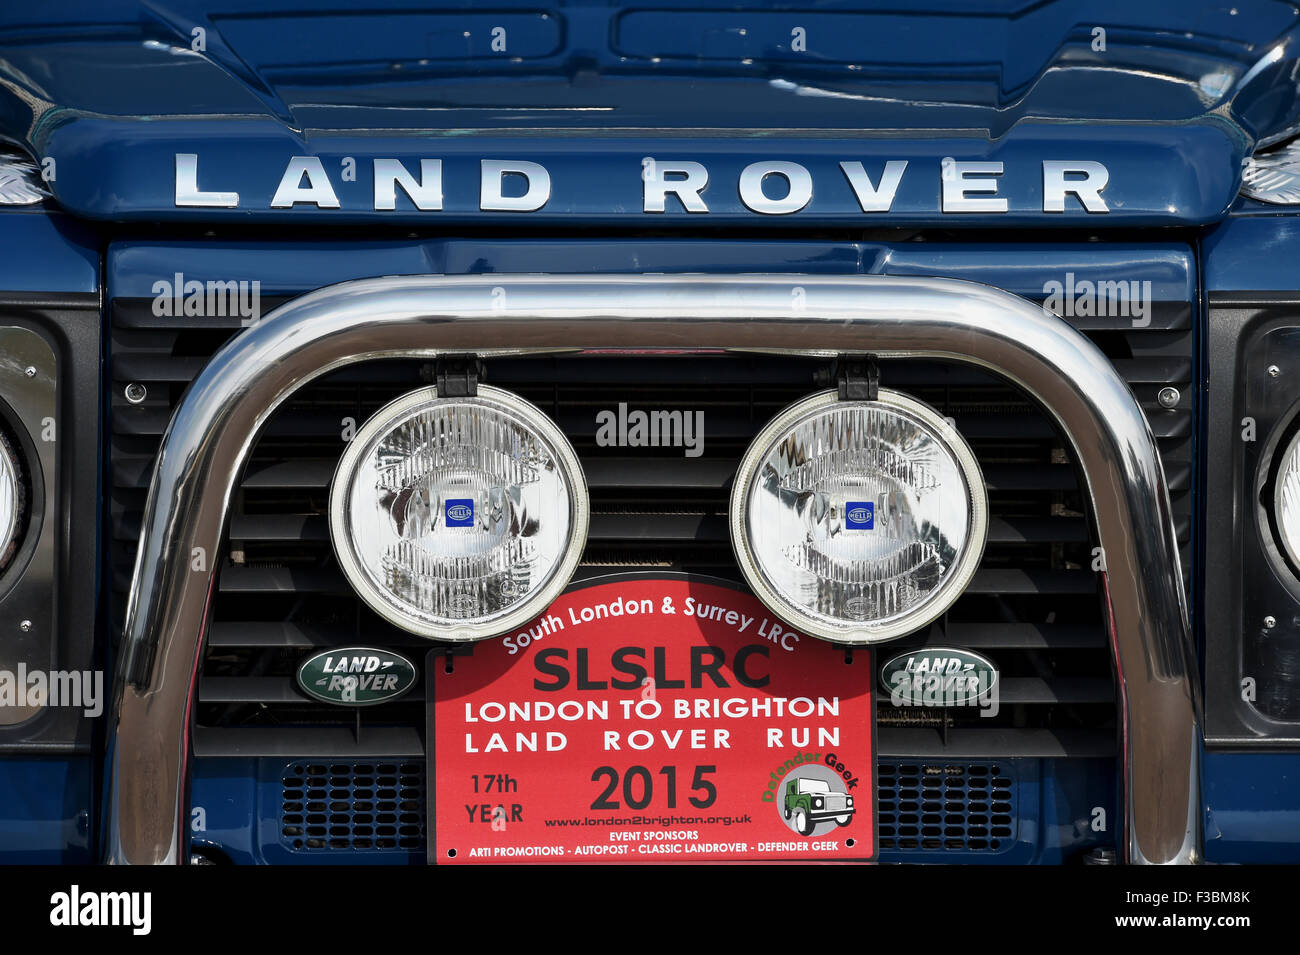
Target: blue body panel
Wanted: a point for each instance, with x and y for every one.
(285, 269)
(1056, 802)
(1154, 178)
(1253, 254)
(1252, 809)
(240, 800)
(45, 810)
(1171, 97)
(47, 252)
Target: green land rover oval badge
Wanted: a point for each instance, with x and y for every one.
(356, 676)
(938, 676)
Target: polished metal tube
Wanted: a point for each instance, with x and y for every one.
(222, 413)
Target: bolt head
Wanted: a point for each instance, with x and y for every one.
(1270, 622)
(135, 392)
(1274, 371)
(1169, 397)
(25, 626)
(30, 371)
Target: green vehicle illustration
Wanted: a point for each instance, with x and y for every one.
(810, 801)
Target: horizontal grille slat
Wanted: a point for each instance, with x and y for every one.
(279, 527)
(296, 473)
(1154, 371)
(1035, 690)
(331, 741)
(242, 579)
(631, 473)
(257, 633)
(993, 743)
(1018, 636)
(272, 690)
(985, 636)
(306, 580)
(254, 689)
(647, 526)
(1015, 581)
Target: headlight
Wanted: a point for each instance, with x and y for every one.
(12, 501)
(458, 518)
(818, 802)
(1286, 499)
(858, 521)
(1273, 176)
(20, 179)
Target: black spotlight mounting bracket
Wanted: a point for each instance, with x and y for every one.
(857, 377)
(456, 376)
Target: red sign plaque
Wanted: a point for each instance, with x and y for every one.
(652, 720)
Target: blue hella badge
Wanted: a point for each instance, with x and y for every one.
(460, 512)
(860, 515)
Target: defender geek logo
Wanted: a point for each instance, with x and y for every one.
(860, 515)
(460, 512)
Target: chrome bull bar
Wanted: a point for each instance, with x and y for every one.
(225, 408)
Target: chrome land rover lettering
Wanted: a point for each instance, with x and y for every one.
(767, 187)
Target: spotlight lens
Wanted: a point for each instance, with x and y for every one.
(458, 518)
(859, 521)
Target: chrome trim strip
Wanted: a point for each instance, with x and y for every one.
(225, 408)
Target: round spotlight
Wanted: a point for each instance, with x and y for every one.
(1286, 499)
(12, 501)
(858, 521)
(458, 518)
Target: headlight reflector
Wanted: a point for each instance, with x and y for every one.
(858, 521)
(458, 518)
(1286, 499)
(1273, 176)
(11, 501)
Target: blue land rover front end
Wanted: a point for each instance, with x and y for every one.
(554, 433)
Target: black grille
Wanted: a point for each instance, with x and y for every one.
(946, 806)
(1033, 607)
(374, 806)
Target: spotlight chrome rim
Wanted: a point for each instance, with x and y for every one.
(452, 630)
(860, 633)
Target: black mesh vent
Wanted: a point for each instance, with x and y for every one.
(375, 806)
(946, 806)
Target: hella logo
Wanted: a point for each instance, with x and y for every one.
(460, 513)
(860, 515)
